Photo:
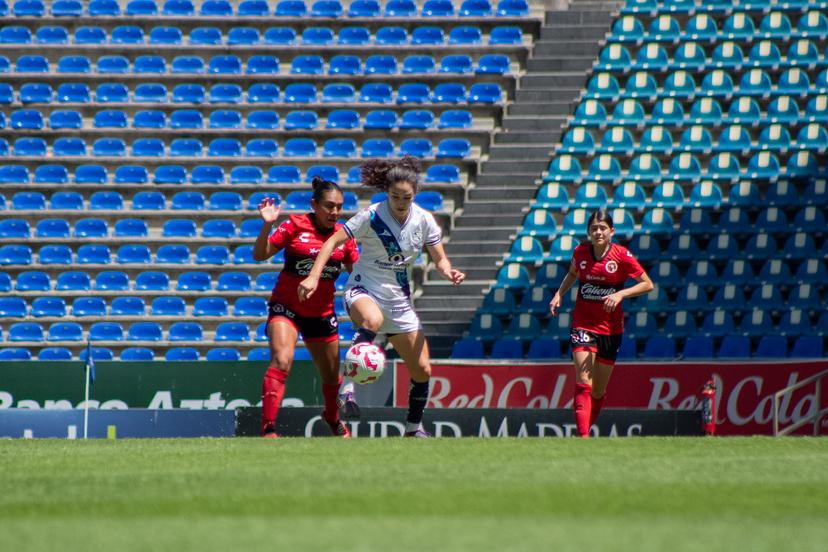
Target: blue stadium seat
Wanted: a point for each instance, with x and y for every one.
(225, 201)
(507, 349)
(106, 331)
(55, 254)
(15, 307)
(185, 331)
(187, 201)
(145, 331)
(170, 174)
(88, 306)
(65, 331)
(194, 281)
(141, 8)
(416, 147)
(539, 222)
(15, 228)
(354, 36)
(112, 280)
(243, 36)
(400, 8)
(26, 331)
(93, 254)
(110, 147)
(667, 275)
(210, 306)
(364, 8)
(172, 254)
(512, 276)
(697, 139)
(149, 119)
(262, 65)
(246, 174)
(133, 254)
(772, 346)
(705, 274)
(467, 349)
(225, 118)
(453, 148)
(166, 35)
(177, 354)
(15, 255)
(300, 93)
(168, 306)
(808, 346)
(30, 147)
(205, 36)
(212, 254)
(377, 147)
(53, 353)
(659, 347)
(14, 174)
(91, 35)
(137, 354)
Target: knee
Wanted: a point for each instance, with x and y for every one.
(421, 373)
(372, 322)
(280, 363)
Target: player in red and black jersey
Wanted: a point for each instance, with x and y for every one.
(603, 268)
(302, 236)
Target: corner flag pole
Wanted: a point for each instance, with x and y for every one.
(90, 366)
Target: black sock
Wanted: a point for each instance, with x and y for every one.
(417, 399)
(361, 335)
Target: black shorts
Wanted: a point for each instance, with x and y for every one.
(605, 346)
(312, 328)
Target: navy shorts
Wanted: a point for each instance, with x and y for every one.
(312, 328)
(605, 347)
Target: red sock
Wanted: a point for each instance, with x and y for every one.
(273, 389)
(582, 403)
(329, 393)
(596, 409)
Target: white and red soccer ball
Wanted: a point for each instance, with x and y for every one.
(364, 363)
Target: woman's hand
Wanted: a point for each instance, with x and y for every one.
(307, 287)
(269, 211)
(611, 302)
(455, 276)
(555, 304)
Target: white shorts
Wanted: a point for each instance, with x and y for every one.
(397, 318)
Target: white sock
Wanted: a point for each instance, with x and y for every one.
(409, 427)
(347, 387)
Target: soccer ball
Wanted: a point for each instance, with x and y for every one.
(364, 363)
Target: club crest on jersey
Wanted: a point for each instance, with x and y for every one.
(611, 267)
(583, 265)
(396, 258)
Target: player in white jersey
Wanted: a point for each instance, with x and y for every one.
(392, 234)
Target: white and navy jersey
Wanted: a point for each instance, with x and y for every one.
(389, 249)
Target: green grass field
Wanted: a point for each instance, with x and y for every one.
(394, 494)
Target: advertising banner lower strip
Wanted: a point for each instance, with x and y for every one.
(744, 391)
(68, 424)
(154, 385)
(477, 422)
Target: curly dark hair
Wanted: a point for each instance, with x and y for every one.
(381, 174)
(320, 186)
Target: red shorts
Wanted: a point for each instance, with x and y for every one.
(605, 347)
(321, 329)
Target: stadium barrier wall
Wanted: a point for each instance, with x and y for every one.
(744, 391)
(135, 422)
(160, 385)
(477, 422)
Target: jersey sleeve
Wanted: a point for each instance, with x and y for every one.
(433, 233)
(283, 234)
(634, 268)
(351, 252)
(358, 225)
